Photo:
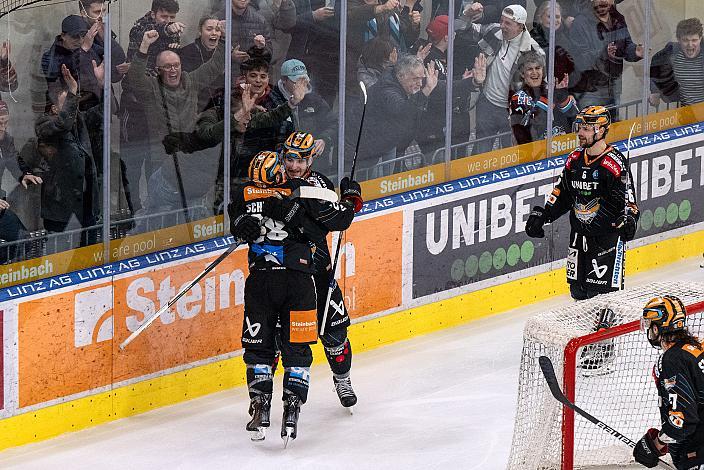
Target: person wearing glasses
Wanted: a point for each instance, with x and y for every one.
(171, 102)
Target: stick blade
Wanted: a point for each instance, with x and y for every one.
(549, 373)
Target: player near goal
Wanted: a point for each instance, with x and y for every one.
(595, 188)
(679, 378)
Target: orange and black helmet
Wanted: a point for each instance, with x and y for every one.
(267, 169)
(299, 145)
(668, 313)
(598, 115)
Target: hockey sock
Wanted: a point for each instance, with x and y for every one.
(260, 379)
(296, 381)
(340, 358)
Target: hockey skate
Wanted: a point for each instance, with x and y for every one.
(259, 410)
(597, 359)
(343, 387)
(289, 422)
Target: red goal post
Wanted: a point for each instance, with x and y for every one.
(618, 389)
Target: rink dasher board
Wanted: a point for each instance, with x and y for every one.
(412, 316)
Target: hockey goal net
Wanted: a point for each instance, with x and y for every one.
(605, 366)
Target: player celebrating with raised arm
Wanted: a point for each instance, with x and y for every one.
(595, 187)
(679, 378)
(298, 153)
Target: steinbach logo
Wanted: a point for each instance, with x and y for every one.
(251, 192)
(93, 319)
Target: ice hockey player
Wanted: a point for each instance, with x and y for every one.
(279, 288)
(298, 152)
(595, 187)
(679, 378)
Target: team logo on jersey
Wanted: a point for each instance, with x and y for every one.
(670, 383)
(599, 271)
(595, 174)
(585, 213)
(676, 418)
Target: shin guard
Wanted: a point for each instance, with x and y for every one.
(260, 379)
(296, 382)
(340, 357)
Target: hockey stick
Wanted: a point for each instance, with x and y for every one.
(626, 198)
(174, 156)
(331, 285)
(549, 374)
(180, 294)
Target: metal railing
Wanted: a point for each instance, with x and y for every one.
(41, 243)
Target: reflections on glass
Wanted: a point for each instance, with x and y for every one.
(675, 55)
(51, 110)
(400, 54)
(171, 173)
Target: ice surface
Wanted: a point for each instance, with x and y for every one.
(444, 401)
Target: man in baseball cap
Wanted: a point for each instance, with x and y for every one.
(73, 28)
(516, 13)
(74, 25)
(293, 69)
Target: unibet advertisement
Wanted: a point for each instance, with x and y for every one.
(479, 235)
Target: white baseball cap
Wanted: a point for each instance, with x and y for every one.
(516, 13)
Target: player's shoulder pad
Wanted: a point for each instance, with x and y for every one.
(695, 351)
(252, 192)
(573, 157)
(320, 180)
(613, 161)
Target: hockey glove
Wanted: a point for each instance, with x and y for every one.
(246, 228)
(646, 452)
(288, 211)
(535, 222)
(351, 192)
(626, 224)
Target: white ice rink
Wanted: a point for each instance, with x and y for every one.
(444, 400)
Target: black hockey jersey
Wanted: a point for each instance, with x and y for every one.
(594, 190)
(318, 234)
(282, 246)
(679, 377)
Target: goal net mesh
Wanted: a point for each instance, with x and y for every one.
(612, 379)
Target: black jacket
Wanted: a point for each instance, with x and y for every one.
(70, 183)
(313, 115)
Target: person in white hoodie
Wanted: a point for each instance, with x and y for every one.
(503, 44)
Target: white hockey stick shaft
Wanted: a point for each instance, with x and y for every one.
(180, 294)
(331, 286)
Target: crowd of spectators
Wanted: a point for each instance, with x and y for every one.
(168, 92)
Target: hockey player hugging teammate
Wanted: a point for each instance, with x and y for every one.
(280, 287)
(298, 152)
(595, 188)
